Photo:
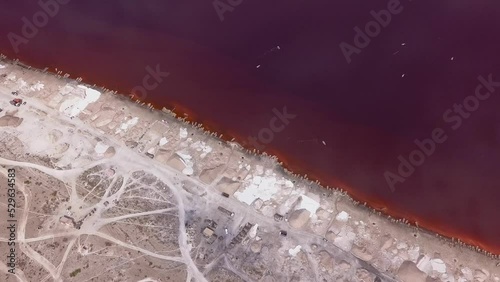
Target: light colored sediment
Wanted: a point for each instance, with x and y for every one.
(66, 128)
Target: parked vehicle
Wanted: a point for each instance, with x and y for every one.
(16, 102)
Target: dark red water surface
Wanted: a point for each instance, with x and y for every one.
(367, 112)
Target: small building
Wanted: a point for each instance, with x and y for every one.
(212, 224)
(66, 220)
(224, 194)
(78, 224)
(228, 212)
(208, 232)
(212, 239)
(16, 102)
(278, 217)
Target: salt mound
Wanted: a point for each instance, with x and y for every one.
(10, 121)
(299, 218)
